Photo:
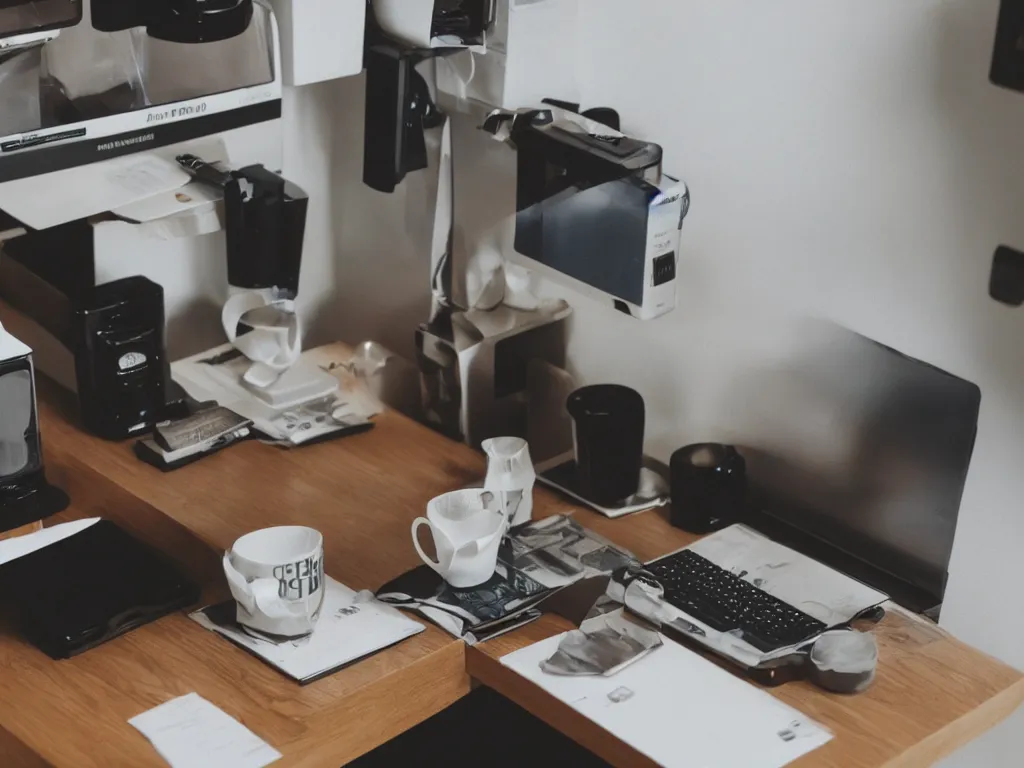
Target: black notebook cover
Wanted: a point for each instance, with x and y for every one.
(91, 587)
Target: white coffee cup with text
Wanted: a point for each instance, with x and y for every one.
(276, 576)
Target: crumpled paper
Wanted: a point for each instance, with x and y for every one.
(603, 645)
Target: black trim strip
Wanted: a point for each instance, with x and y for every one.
(38, 141)
(64, 156)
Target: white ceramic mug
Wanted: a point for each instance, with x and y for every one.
(276, 576)
(467, 527)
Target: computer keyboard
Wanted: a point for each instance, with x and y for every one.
(725, 602)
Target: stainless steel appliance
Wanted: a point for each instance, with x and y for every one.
(25, 496)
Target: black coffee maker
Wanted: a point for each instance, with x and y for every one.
(25, 496)
(121, 367)
(115, 331)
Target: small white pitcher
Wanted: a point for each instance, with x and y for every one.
(510, 477)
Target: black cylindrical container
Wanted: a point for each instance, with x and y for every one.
(709, 483)
(121, 365)
(608, 430)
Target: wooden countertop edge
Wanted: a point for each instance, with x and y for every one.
(16, 754)
(339, 739)
(489, 670)
(963, 730)
(533, 698)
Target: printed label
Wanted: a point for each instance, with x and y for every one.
(177, 112)
(299, 580)
(131, 360)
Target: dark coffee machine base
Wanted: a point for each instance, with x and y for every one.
(30, 504)
(705, 526)
(564, 478)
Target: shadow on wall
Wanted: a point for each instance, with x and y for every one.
(860, 444)
(310, 116)
(193, 328)
(381, 242)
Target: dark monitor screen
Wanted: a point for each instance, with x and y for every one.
(874, 463)
(597, 235)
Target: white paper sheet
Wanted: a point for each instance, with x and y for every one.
(350, 627)
(12, 549)
(190, 732)
(81, 192)
(680, 710)
(816, 589)
(174, 203)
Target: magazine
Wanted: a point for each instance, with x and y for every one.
(535, 562)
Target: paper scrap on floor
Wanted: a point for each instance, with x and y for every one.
(680, 710)
(190, 732)
(351, 626)
(819, 591)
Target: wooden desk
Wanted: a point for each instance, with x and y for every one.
(362, 493)
(932, 695)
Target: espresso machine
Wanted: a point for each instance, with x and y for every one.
(82, 82)
(160, 74)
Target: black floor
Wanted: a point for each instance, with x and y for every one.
(482, 729)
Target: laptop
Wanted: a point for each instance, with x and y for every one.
(856, 477)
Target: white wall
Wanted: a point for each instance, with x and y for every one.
(310, 128)
(847, 160)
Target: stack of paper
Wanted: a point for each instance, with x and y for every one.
(218, 374)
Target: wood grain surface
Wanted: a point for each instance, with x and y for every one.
(932, 693)
(30, 528)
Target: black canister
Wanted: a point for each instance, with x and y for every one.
(608, 432)
(709, 483)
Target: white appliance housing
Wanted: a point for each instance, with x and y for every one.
(224, 112)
